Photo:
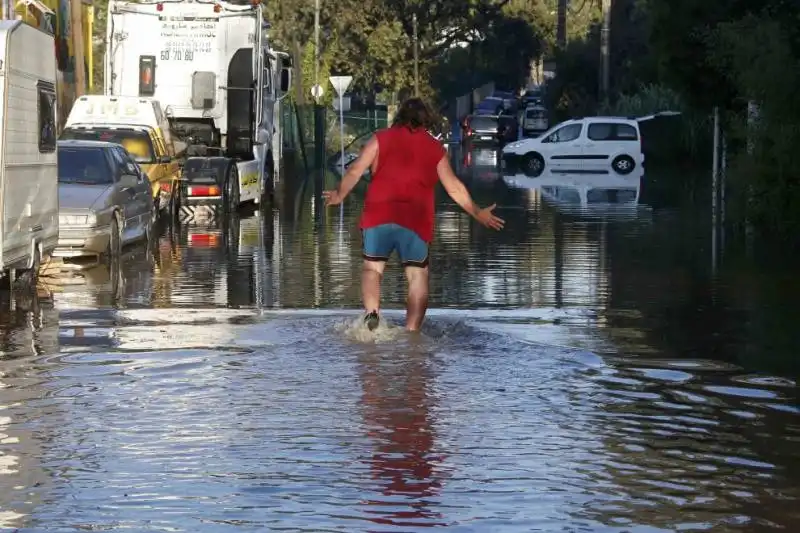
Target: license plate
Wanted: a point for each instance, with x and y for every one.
(486, 138)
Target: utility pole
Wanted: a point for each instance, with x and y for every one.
(316, 45)
(416, 56)
(319, 127)
(561, 24)
(76, 16)
(605, 45)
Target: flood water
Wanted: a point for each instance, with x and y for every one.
(587, 369)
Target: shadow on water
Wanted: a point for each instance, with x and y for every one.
(582, 370)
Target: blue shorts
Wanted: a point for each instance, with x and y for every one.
(381, 241)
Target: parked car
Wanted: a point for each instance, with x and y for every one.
(104, 200)
(534, 121)
(592, 143)
(491, 129)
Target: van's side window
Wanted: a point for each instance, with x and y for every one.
(604, 131)
(47, 116)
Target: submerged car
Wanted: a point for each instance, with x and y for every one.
(104, 200)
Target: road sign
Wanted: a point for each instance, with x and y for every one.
(341, 83)
(317, 91)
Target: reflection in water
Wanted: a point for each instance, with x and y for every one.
(398, 415)
(179, 392)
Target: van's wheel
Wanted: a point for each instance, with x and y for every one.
(533, 164)
(623, 164)
(232, 190)
(268, 187)
(114, 249)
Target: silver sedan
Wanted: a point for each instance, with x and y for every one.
(104, 200)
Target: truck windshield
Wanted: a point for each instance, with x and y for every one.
(137, 143)
(84, 165)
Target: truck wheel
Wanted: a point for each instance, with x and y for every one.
(29, 277)
(232, 190)
(268, 187)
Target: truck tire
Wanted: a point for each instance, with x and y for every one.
(231, 197)
(268, 187)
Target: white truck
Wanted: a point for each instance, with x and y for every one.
(211, 67)
(28, 159)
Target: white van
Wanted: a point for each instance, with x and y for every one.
(534, 120)
(28, 160)
(590, 143)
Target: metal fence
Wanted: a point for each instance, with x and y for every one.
(299, 140)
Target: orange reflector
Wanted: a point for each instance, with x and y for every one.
(203, 191)
(202, 240)
(165, 186)
(217, 8)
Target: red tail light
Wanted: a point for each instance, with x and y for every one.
(203, 240)
(203, 191)
(159, 7)
(165, 187)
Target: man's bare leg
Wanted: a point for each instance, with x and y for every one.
(417, 301)
(371, 274)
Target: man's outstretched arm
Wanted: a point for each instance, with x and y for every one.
(460, 195)
(354, 172)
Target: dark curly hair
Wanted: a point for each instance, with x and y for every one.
(414, 113)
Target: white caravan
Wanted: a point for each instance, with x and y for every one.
(211, 67)
(28, 160)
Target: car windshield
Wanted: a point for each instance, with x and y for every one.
(137, 143)
(83, 165)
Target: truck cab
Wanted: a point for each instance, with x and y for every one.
(139, 125)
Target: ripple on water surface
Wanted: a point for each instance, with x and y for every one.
(237, 420)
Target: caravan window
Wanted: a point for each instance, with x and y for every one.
(137, 143)
(47, 117)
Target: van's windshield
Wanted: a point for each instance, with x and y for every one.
(136, 142)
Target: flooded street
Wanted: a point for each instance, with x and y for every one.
(587, 369)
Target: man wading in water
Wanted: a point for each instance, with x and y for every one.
(406, 162)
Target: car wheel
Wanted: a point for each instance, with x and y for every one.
(623, 164)
(533, 164)
(232, 190)
(114, 249)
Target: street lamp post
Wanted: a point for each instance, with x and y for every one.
(416, 56)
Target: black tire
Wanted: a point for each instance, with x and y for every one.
(114, 249)
(533, 164)
(623, 164)
(174, 207)
(28, 277)
(268, 187)
(231, 197)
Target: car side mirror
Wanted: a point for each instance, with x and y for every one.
(128, 180)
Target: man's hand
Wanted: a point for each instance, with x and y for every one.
(487, 218)
(332, 197)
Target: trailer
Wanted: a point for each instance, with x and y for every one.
(28, 159)
(211, 67)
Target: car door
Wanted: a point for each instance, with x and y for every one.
(562, 148)
(598, 145)
(137, 199)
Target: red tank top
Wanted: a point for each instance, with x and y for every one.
(404, 181)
